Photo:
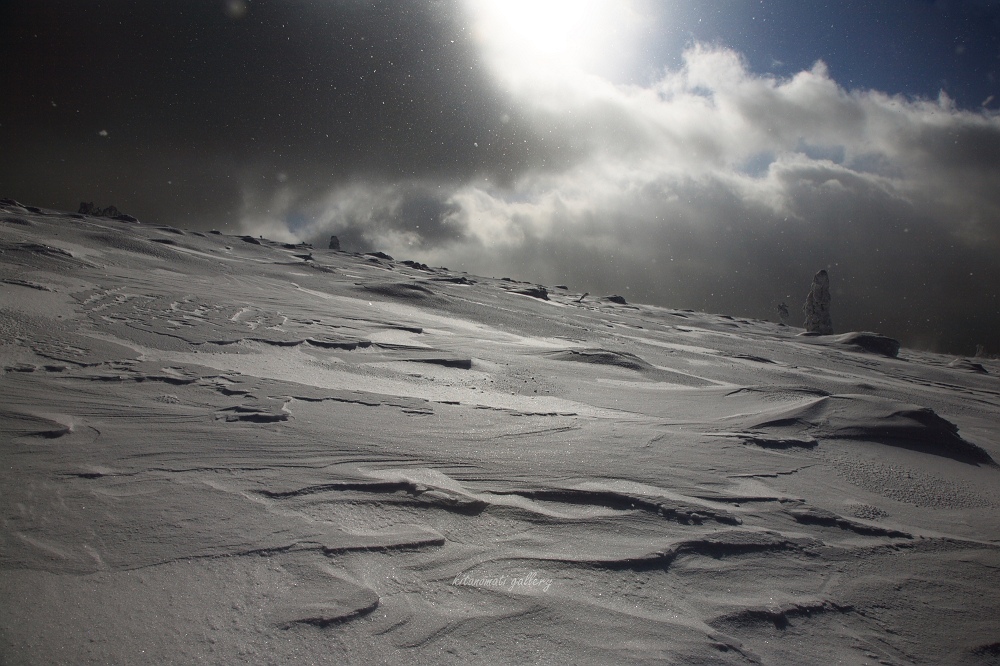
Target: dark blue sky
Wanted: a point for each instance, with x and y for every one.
(909, 47)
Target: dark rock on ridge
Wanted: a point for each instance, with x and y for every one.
(109, 212)
(539, 292)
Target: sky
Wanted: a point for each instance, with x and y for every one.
(702, 155)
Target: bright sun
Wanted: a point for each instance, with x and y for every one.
(553, 28)
(532, 35)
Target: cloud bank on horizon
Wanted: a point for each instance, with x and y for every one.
(514, 138)
(710, 187)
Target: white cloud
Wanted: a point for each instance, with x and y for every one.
(681, 190)
(703, 123)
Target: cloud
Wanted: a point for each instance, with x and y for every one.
(461, 134)
(718, 188)
(415, 216)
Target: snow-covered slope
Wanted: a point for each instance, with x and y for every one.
(217, 449)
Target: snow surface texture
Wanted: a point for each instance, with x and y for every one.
(222, 449)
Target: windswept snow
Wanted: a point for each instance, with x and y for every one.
(218, 451)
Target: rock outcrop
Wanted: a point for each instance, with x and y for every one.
(110, 212)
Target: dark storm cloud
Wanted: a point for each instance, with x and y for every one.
(213, 100)
(702, 244)
(899, 199)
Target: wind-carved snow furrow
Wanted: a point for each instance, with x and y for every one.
(252, 414)
(860, 417)
(781, 617)
(320, 342)
(716, 546)
(322, 617)
(624, 502)
(814, 516)
(20, 424)
(407, 543)
(782, 443)
(18, 282)
(536, 433)
(476, 503)
(229, 392)
(509, 410)
(448, 500)
(363, 486)
(431, 541)
(87, 475)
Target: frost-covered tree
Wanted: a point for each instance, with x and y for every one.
(817, 307)
(783, 313)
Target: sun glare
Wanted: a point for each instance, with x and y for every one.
(553, 28)
(539, 36)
